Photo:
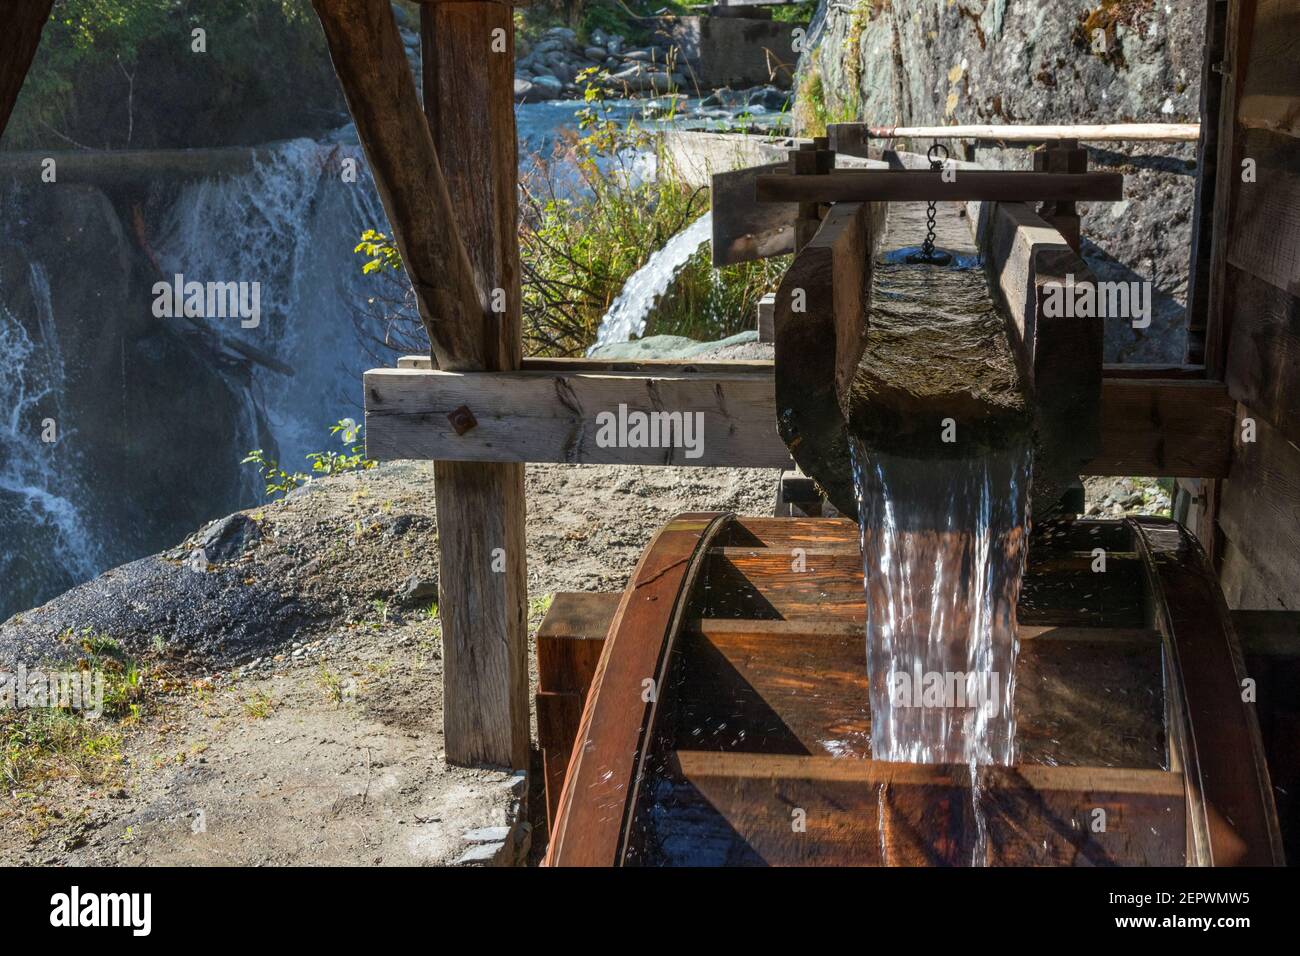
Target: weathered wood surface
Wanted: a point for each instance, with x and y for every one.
(569, 642)
(1165, 428)
(23, 23)
(1022, 133)
(371, 64)
(736, 810)
(612, 743)
(743, 229)
(820, 325)
(708, 777)
(1265, 236)
(916, 185)
(1263, 363)
(1268, 97)
(1215, 732)
(1259, 508)
(553, 417)
(467, 56)
(1159, 427)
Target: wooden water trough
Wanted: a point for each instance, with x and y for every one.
(726, 718)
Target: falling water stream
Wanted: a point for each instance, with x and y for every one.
(627, 316)
(944, 540)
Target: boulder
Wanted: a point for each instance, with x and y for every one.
(549, 86)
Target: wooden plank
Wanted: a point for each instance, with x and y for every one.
(574, 418)
(604, 775)
(820, 326)
(1265, 235)
(569, 641)
(1269, 93)
(737, 810)
(744, 230)
(1164, 428)
(1084, 696)
(1260, 507)
(1022, 133)
(371, 64)
(1263, 364)
(18, 41)
(480, 506)
(915, 185)
(1236, 57)
(1158, 427)
(1060, 357)
(1214, 732)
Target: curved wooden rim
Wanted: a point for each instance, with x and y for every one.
(604, 773)
(1232, 819)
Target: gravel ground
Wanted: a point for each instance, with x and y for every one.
(293, 705)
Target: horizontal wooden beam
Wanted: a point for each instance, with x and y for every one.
(920, 185)
(704, 418)
(1011, 133)
(548, 413)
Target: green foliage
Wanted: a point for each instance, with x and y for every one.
(383, 254)
(323, 463)
(794, 12)
(120, 73)
(577, 250)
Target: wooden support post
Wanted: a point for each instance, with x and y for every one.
(468, 76)
(810, 159)
(1063, 215)
(18, 42)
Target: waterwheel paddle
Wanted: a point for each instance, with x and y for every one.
(728, 720)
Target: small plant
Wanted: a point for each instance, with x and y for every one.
(332, 683)
(323, 463)
(258, 705)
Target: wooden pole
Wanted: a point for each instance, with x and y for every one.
(1010, 133)
(23, 23)
(369, 59)
(467, 52)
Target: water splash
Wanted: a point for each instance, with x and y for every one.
(627, 316)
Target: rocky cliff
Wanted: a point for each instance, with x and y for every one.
(941, 62)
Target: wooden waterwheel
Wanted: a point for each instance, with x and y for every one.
(727, 722)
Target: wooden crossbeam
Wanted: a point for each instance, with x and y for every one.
(547, 412)
(920, 185)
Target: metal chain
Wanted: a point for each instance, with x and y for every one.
(928, 254)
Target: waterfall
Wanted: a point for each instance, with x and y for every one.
(37, 488)
(291, 225)
(627, 316)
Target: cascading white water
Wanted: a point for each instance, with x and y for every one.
(290, 224)
(37, 488)
(627, 315)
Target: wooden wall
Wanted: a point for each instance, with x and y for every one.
(1250, 521)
